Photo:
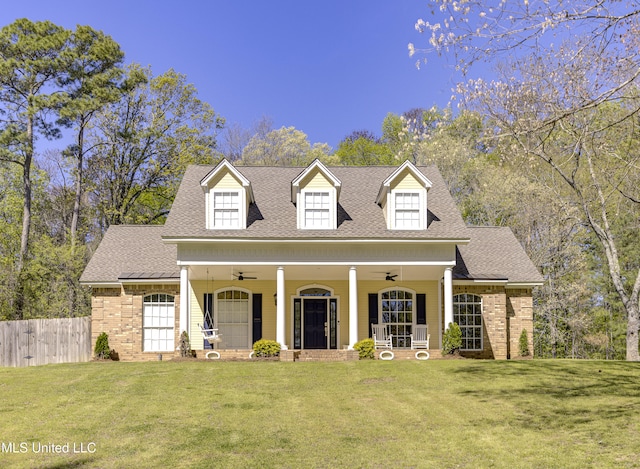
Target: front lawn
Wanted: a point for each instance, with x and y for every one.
(440, 414)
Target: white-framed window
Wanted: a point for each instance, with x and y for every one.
(233, 318)
(158, 322)
(408, 211)
(467, 313)
(317, 210)
(398, 312)
(226, 209)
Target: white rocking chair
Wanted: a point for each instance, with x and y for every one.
(420, 337)
(381, 336)
(211, 335)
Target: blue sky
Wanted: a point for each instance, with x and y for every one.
(325, 67)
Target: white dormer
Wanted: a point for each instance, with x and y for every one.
(315, 192)
(228, 195)
(403, 198)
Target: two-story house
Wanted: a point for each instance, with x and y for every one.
(310, 257)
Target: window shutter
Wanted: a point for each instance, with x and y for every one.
(421, 308)
(257, 316)
(207, 321)
(373, 310)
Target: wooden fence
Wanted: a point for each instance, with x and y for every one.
(43, 341)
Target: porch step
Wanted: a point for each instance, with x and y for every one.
(319, 355)
(346, 355)
(408, 354)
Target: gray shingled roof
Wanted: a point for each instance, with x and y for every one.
(494, 253)
(130, 253)
(127, 252)
(273, 216)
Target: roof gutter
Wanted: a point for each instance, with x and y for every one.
(176, 240)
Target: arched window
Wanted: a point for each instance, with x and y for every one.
(158, 322)
(232, 317)
(315, 290)
(467, 313)
(397, 310)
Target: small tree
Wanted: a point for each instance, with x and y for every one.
(185, 345)
(524, 344)
(266, 348)
(101, 349)
(365, 349)
(452, 339)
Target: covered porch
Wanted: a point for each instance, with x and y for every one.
(312, 309)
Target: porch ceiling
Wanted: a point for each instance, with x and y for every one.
(315, 273)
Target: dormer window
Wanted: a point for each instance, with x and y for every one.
(407, 210)
(226, 209)
(315, 193)
(403, 198)
(317, 210)
(228, 195)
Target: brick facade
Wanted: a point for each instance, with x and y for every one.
(118, 312)
(505, 312)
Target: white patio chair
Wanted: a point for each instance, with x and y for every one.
(420, 337)
(211, 335)
(381, 336)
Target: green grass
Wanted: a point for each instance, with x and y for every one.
(440, 414)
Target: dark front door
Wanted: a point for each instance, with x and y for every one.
(315, 324)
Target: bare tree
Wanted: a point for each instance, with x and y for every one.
(569, 101)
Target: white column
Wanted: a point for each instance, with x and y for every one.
(184, 299)
(280, 308)
(353, 307)
(448, 296)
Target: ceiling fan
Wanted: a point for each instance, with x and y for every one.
(240, 276)
(390, 278)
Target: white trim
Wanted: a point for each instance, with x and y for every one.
(414, 311)
(384, 189)
(481, 326)
(105, 284)
(295, 184)
(345, 263)
(292, 319)
(280, 308)
(224, 164)
(504, 283)
(317, 240)
(155, 281)
(241, 208)
(184, 299)
(448, 296)
(383, 357)
(422, 355)
(440, 315)
(353, 306)
(171, 306)
(483, 282)
(216, 309)
(315, 285)
(393, 211)
(302, 208)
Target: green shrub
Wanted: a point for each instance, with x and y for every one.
(101, 349)
(185, 345)
(365, 349)
(266, 348)
(452, 339)
(524, 343)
